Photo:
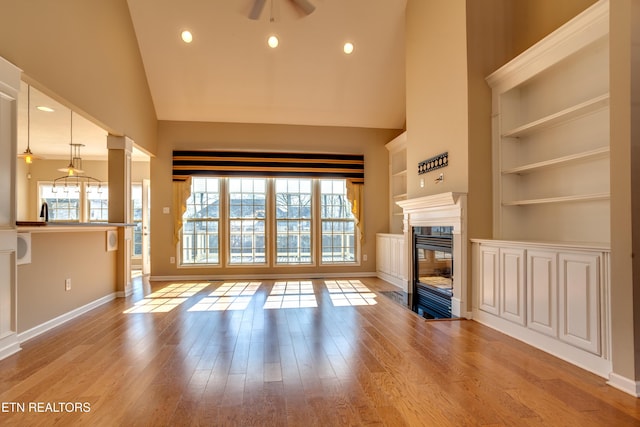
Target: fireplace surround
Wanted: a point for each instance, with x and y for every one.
(446, 210)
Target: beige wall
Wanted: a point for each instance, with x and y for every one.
(488, 44)
(437, 98)
(625, 184)
(488, 47)
(532, 20)
(84, 54)
(635, 164)
(254, 137)
(79, 256)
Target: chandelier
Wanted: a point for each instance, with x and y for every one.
(74, 174)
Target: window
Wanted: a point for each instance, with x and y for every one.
(247, 209)
(243, 221)
(81, 202)
(98, 201)
(293, 221)
(63, 201)
(338, 225)
(200, 230)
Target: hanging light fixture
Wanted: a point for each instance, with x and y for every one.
(28, 156)
(74, 174)
(75, 161)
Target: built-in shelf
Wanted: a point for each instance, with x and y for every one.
(397, 180)
(562, 199)
(572, 112)
(551, 183)
(551, 136)
(598, 153)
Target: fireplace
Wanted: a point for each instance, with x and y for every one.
(436, 247)
(433, 271)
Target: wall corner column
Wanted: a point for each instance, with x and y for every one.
(9, 89)
(120, 148)
(625, 203)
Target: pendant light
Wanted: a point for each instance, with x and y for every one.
(73, 174)
(75, 161)
(28, 156)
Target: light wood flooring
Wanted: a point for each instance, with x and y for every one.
(196, 353)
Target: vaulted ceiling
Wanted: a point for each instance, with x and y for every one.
(229, 74)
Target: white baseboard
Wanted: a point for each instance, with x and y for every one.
(261, 276)
(50, 324)
(458, 309)
(624, 384)
(396, 281)
(597, 364)
(124, 294)
(9, 344)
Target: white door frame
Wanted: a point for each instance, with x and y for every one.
(146, 227)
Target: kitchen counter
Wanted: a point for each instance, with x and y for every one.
(56, 227)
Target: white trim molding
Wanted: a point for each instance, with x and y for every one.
(9, 345)
(57, 321)
(261, 276)
(624, 384)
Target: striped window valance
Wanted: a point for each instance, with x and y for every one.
(242, 163)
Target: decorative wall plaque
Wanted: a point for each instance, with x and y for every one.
(436, 162)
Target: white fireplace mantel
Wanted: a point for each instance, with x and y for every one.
(436, 200)
(444, 209)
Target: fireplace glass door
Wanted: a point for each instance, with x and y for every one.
(433, 271)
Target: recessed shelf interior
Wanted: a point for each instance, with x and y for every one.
(552, 171)
(559, 161)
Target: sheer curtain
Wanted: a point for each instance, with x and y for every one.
(181, 192)
(355, 194)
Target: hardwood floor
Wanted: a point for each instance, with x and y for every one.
(182, 356)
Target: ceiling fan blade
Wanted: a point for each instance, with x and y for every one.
(256, 10)
(305, 5)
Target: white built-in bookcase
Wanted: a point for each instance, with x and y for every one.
(551, 137)
(545, 276)
(397, 180)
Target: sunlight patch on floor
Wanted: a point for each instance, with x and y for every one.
(291, 294)
(349, 293)
(229, 296)
(167, 298)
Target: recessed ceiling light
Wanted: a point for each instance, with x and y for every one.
(348, 48)
(187, 37)
(45, 109)
(273, 42)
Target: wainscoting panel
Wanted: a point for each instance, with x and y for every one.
(542, 272)
(512, 289)
(489, 280)
(579, 300)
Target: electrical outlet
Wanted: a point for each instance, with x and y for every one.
(172, 260)
(67, 284)
(364, 257)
